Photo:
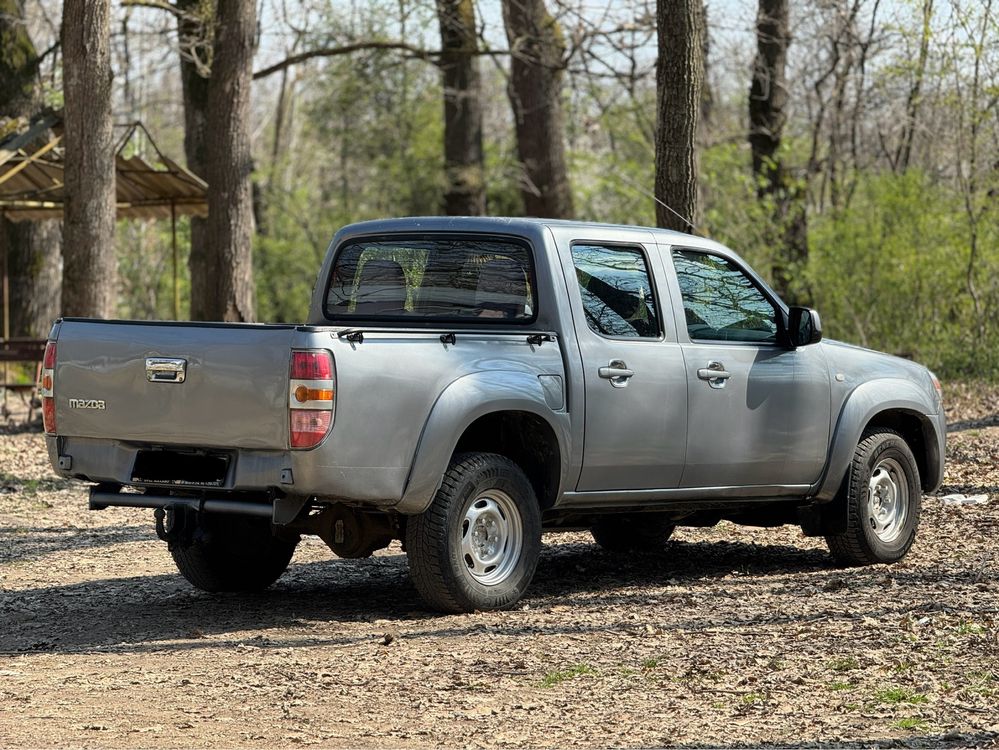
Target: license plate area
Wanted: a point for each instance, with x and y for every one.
(183, 468)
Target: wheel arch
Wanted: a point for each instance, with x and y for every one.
(892, 404)
(495, 412)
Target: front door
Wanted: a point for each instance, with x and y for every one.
(758, 412)
(635, 386)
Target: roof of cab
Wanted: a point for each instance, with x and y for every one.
(495, 223)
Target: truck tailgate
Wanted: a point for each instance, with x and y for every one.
(234, 392)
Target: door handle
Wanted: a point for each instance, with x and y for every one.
(715, 373)
(616, 372)
(166, 370)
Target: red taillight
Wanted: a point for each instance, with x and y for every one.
(315, 365)
(46, 388)
(311, 396)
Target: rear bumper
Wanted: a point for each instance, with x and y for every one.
(307, 473)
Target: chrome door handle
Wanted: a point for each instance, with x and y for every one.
(715, 373)
(616, 372)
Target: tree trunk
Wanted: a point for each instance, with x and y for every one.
(535, 90)
(228, 166)
(90, 268)
(34, 249)
(195, 23)
(768, 98)
(463, 159)
(679, 79)
(904, 154)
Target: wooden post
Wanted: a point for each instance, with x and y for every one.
(173, 239)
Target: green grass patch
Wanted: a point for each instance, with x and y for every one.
(750, 699)
(554, 678)
(843, 664)
(911, 724)
(650, 664)
(839, 686)
(895, 695)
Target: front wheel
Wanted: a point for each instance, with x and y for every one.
(476, 547)
(883, 499)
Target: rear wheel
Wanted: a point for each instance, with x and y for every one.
(217, 552)
(639, 532)
(476, 547)
(883, 499)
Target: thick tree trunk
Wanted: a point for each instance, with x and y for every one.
(34, 249)
(768, 98)
(228, 166)
(90, 268)
(463, 159)
(535, 90)
(679, 81)
(34, 266)
(195, 22)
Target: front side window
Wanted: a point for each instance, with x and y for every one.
(720, 302)
(435, 279)
(616, 288)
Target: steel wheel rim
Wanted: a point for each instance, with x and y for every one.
(492, 537)
(887, 500)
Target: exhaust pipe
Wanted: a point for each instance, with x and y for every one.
(101, 497)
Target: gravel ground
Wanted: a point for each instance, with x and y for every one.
(733, 637)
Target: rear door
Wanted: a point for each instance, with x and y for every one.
(758, 412)
(633, 375)
(207, 385)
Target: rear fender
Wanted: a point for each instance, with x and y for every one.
(465, 400)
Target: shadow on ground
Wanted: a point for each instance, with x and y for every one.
(157, 613)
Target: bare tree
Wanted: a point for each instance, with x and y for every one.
(228, 164)
(768, 98)
(679, 80)
(904, 153)
(537, 65)
(34, 249)
(463, 159)
(89, 272)
(194, 31)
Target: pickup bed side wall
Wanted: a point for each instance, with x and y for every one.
(464, 401)
(861, 406)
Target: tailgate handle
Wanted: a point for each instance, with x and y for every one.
(166, 369)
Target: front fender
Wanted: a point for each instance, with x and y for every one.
(465, 400)
(862, 405)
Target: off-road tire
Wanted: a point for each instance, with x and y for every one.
(637, 532)
(859, 544)
(221, 552)
(437, 564)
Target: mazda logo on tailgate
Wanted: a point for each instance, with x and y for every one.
(86, 403)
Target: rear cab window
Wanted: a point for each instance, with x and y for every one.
(433, 279)
(616, 290)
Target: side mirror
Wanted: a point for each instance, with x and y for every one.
(803, 326)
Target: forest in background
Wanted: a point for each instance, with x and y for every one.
(869, 192)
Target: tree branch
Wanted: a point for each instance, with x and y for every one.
(347, 49)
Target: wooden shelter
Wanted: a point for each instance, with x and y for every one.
(32, 189)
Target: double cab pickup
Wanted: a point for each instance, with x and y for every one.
(463, 384)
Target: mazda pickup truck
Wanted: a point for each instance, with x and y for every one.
(463, 384)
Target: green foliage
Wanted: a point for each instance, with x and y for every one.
(890, 272)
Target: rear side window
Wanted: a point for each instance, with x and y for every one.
(720, 302)
(616, 288)
(434, 279)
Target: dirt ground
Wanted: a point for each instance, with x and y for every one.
(733, 637)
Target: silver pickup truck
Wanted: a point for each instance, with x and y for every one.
(464, 384)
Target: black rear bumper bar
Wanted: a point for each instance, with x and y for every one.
(102, 497)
